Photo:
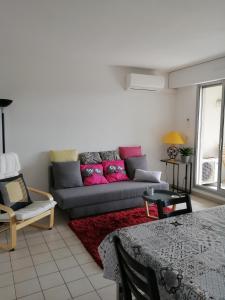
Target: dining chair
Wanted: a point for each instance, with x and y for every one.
(136, 279)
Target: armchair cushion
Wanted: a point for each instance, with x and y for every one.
(32, 210)
(14, 193)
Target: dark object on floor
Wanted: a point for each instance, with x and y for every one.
(164, 199)
(92, 230)
(137, 279)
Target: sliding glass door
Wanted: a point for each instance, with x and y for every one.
(222, 147)
(210, 152)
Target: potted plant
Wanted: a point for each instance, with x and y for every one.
(185, 154)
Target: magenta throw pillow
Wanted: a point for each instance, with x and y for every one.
(92, 174)
(126, 152)
(114, 170)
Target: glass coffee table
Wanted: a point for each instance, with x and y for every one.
(163, 199)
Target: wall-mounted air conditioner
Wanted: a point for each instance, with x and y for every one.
(145, 82)
(208, 170)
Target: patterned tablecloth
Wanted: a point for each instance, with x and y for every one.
(187, 252)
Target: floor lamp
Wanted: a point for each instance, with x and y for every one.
(4, 103)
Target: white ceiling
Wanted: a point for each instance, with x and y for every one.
(158, 34)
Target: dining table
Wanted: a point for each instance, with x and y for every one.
(187, 253)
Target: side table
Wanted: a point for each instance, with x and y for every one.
(188, 174)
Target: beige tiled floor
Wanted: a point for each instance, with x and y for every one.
(54, 265)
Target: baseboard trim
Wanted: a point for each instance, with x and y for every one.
(208, 196)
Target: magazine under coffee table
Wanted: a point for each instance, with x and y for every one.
(163, 199)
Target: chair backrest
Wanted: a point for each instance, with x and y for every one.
(9, 165)
(136, 278)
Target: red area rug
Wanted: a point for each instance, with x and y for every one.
(92, 230)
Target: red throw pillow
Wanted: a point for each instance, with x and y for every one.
(92, 174)
(126, 152)
(114, 170)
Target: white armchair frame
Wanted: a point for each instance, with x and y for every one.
(13, 225)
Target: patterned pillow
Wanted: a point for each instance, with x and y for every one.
(109, 155)
(114, 170)
(93, 174)
(88, 158)
(14, 193)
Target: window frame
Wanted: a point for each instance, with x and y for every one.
(198, 128)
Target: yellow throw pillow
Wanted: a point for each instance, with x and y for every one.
(64, 155)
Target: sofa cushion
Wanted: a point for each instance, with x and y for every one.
(66, 174)
(147, 176)
(34, 209)
(133, 163)
(14, 193)
(93, 174)
(109, 155)
(90, 195)
(88, 158)
(63, 155)
(126, 152)
(114, 170)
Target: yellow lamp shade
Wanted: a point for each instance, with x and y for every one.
(173, 137)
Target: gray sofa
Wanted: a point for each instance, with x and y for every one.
(96, 199)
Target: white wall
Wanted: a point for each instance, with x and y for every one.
(185, 115)
(185, 112)
(81, 106)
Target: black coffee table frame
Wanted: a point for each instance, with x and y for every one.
(164, 198)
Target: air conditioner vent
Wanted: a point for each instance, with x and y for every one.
(145, 82)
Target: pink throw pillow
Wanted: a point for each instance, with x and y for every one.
(114, 170)
(126, 152)
(92, 174)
